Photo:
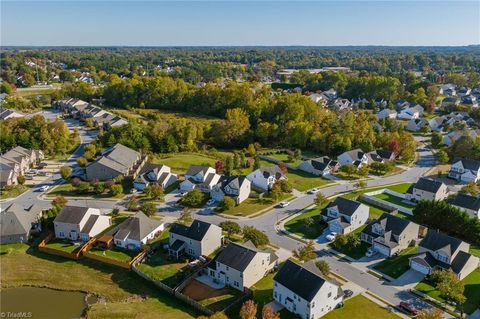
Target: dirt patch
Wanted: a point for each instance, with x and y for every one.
(200, 291)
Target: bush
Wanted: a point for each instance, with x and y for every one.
(148, 208)
(82, 161)
(257, 237)
(116, 190)
(226, 204)
(21, 179)
(65, 172)
(194, 198)
(285, 186)
(99, 188)
(83, 187)
(230, 227)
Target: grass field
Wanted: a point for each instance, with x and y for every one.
(253, 205)
(284, 158)
(11, 192)
(394, 200)
(298, 227)
(160, 267)
(121, 289)
(472, 291)
(179, 163)
(303, 181)
(400, 188)
(475, 250)
(122, 255)
(396, 266)
(360, 307)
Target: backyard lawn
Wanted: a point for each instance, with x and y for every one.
(284, 158)
(161, 267)
(304, 181)
(118, 254)
(472, 291)
(394, 200)
(400, 188)
(11, 192)
(396, 266)
(298, 226)
(253, 205)
(179, 163)
(25, 266)
(63, 245)
(475, 250)
(360, 307)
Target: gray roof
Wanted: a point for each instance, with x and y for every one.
(390, 223)
(16, 220)
(71, 214)
(321, 163)
(344, 206)
(468, 163)
(356, 154)
(436, 240)
(237, 256)
(135, 227)
(119, 158)
(272, 171)
(466, 201)
(195, 231)
(195, 169)
(89, 224)
(428, 185)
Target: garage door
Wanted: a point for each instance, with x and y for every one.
(420, 268)
(382, 250)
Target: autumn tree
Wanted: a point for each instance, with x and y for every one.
(324, 267)
(320, 200)
(248, 310)
(269, 313)
(306, 253)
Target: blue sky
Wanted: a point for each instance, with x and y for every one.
(190, 23)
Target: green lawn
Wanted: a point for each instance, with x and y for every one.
(394, 200)
(355, 252)
(298, 227)
(284, 158)
(13, 191)
(118, 254)
(68, 190)
(343, 175)
(396, 266)
(219, 303)
(475, 250)
(304, 181)
(400, 188)
(63, 245)
(163, 268)
(253, 205)
(360, 307)
(179, 163)
(472, 291)
(26, 266)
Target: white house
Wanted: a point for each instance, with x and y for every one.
(452, 137)
(241, 265)
(320, 166)
(387, 113)
(198, 239)
(135, 231)
(265, 177)
(437, 123)
(465, 170)
(427, 189)
(80, 223)
(304, 291)
(154, 174)
(416, 124)
(344, 215)
(411, 113)
(356, 157)
(468, 203)
(236, 187)
(203, 178)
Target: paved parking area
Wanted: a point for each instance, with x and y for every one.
(408, 280)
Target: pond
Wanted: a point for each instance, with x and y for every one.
(42, 303)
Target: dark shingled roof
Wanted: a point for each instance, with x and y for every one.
(89, 224)
(427, 184)
(436, 240)
(236, 256)
(456, 266)
(468, 163)
(389, 223)
(195, 169)
(305, 281)
(196, 231)
(135, 227)
(345, 206)
(71, 214)
(466, 201)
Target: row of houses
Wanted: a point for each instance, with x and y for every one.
(17, 162)
(440, 123)
(83, 110)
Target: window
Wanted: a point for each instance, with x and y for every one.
(275, 294)
(329, 294)
(442, 258)
(61, 234)
(228, 268)
(212, 273)
(313, 304)
(241, 275)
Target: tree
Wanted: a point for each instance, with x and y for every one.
(59, 201)
(285, 186)
(65, 172)
(148, 208)
(194, 198)
(6, 88)
(219, 167)
(115, 212)
(324, 267)
(251, 150)
(306, 252)
(364, 170)
(116, 189)
(186, 215)
(269, 313)
(237, 123)
(348, 169)
(21, 179)
(308, 222)
(257, 237)
(229, 166)
(436, 139)
(230, 228)
(361, 184)
(226, 204)
(320, 200)
(248, 310)
(433, 313)
(99, 188)
(394, 146)
(442, 157)
(283, 167)
(132, 204)
(82, 161)
(155, 191)
(450, 287)
(276, 192)
(256, 164)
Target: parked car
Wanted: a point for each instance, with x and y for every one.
(370, 252)
(409, 308)
(331, 236)
(43, 165)
(42, 173)
(313, 191)
(284, 204)
(32, 172)
(29, 177)
(347, 293)
(210, 202)
(43, 188)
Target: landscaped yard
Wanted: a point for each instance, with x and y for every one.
(475, 250)
(163, 268)
(472, 291)
(394, 200)
(360, 307)
(396, 266)
(115, 253)
(253, 205)
(14, 191)
(25, 266)
(68, 190)
(284, 158)
(63, 245)
(213, 299)
(299, 227)
(355, 252)
(304, 181)
(179, 163)
(400, 188)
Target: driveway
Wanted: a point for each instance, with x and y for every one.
(408, 280)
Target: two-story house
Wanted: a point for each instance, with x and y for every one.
(154, 174)
(356, 157)
(320, 166)
(440, 251)
(426, 189)
(387, 114)
(468, 203)
(264, 178)
(203, 178)
(380, 156)
(465, 170)
(198, 239)
(416, 125)
(304, 291)
(236, 187)
(344, 215)
(80, 223)
(389, 234)
(241, 265)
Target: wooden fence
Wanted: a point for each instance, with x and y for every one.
(76, 255)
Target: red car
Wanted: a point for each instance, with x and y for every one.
(409, 308)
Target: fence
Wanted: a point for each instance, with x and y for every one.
(369, 198)
(110, 261)
(157, 283)
(248, 294)
(43, 248)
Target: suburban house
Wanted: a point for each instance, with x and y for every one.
(107, 121)
(198, 239)
(448, 90)
(402, 105)
(304, 291)
(80, 223)
(411, 113)
(344, 215)
(241, 265)
(387, 114)
(380, 156)
(450, 100)
(17, 223)
(8, 176)
(463, 91)
(356, 157)
(6, 114)
(390, 234)
(135, 231)
(469, 100)
(265, 177)
(236, 187)
(154, 174)
(342, 104)
(440, 251)
(318, 98)
(329, 95)
(416, 124)
(426, 189)
(118, 160)
(468, 203)
(203, 178)
(25, 158)
(437, 123)
(465, 170)
(452, 137)
(320, 166)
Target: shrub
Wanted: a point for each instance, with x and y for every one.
(83, 187)
(99, 188)
(116, 189)
(230, 227)
(82, 161)
(257, 237)
(21, 179)
(226, 204)
(193, 198)
(65, 172)
(148, 208)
